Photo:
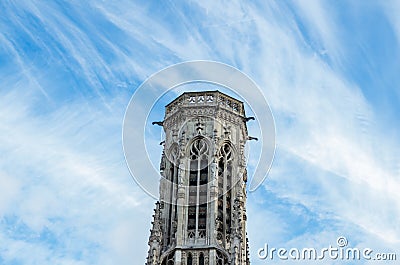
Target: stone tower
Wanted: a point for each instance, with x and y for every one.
(200, 218)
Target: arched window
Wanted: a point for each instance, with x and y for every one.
(198, 178)
(225, 169)
(201, 259)
(172, 176)
(189, 259)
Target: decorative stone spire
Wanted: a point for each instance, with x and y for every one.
(155, 239)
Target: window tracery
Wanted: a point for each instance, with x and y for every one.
(198, 179)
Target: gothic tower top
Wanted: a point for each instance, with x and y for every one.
(200, 218)
(225, 113)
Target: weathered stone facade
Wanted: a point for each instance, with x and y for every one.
(200, 218)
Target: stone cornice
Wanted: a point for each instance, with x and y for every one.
(205, 98)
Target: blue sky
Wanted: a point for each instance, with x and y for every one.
(329, 70)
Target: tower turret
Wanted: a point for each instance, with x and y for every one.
(200, 218)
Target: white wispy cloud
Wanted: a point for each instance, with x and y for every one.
(55, 184)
